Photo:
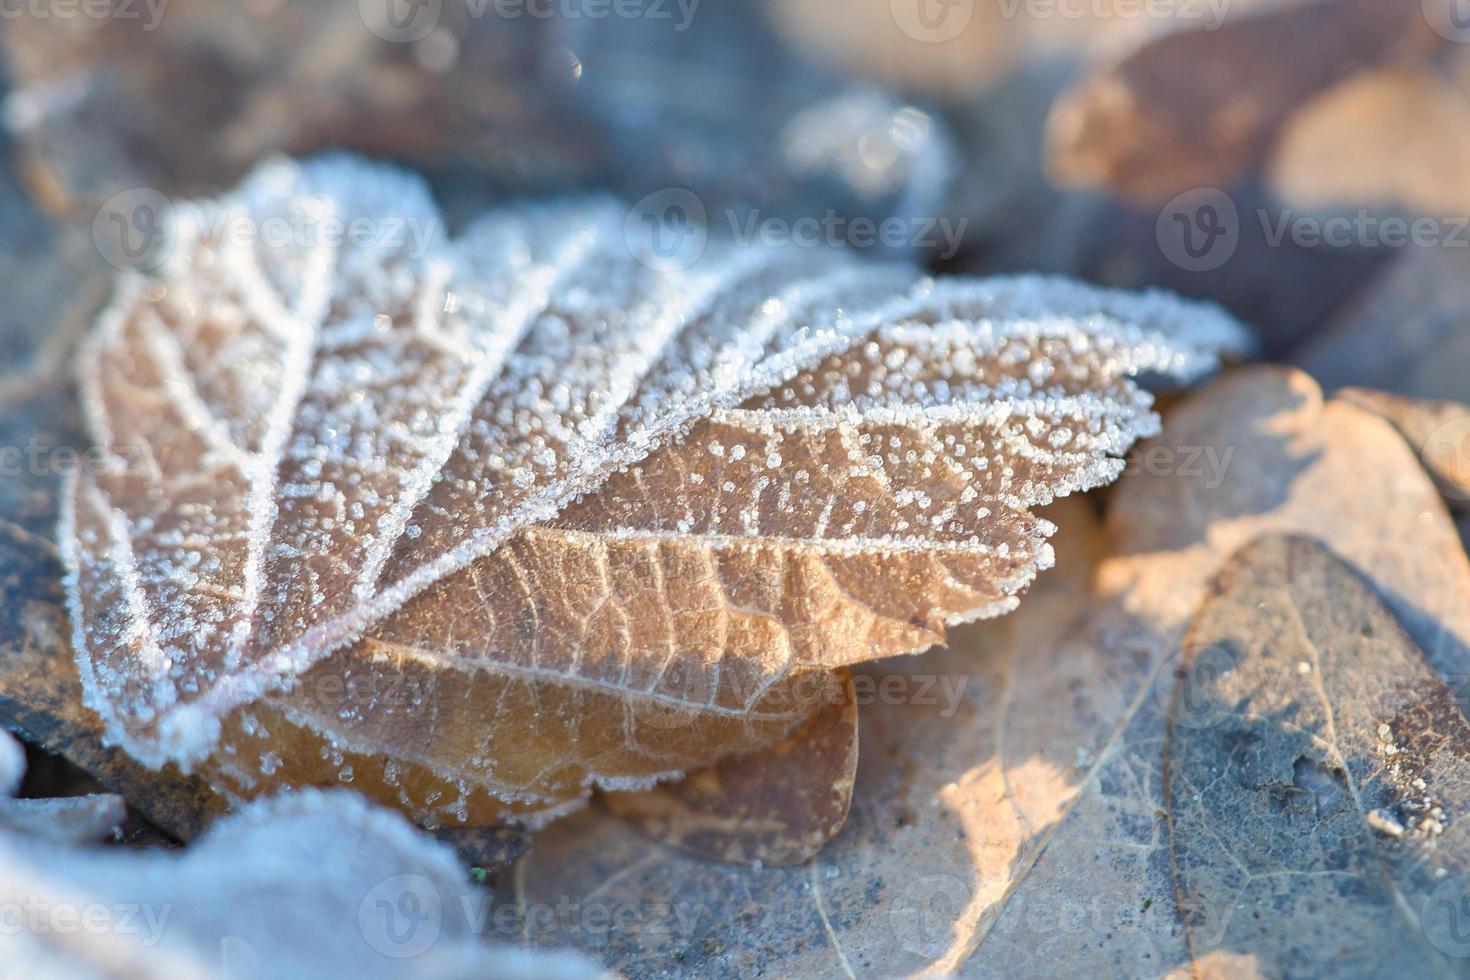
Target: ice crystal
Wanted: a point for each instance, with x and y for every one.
(519, 512)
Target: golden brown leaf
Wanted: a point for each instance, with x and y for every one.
(479, 524)
(1201, 108)
(1397, 137)
(774, 807)
(1439, 431)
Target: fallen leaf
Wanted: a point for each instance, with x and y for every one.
(305, 885)
(112, 103)
(935, 795)
(1439, 432)
(1406, 333)
(1201, 108)
(40, 691)
(490, 524)
(774, 807)
(1317, 781)
(1396, 137)
(1026, 829)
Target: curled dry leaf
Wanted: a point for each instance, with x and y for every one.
(1397, 137)
(1438, 431)
(1319, 769)
(304, 885)
(1026, 829)
(523, 513)
(1202, 108)
(773, 807)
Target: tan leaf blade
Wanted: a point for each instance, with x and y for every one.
(1200, 108)
(774, 807)
(484, 522)
(1347, 756)
(1439, 431)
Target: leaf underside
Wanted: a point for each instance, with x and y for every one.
(476, 526)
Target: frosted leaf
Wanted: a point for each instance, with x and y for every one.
(485, 552)
(71, 819)
(304, 885)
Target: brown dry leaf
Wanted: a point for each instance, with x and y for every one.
(775, 807)
(40, 692)
(1438, 431)
(1318, 776)
(1397, 137)
(483, 523)
(1408, 333)
(1027, 829)
(107, 103)
(890, 893)
(1201, 108)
